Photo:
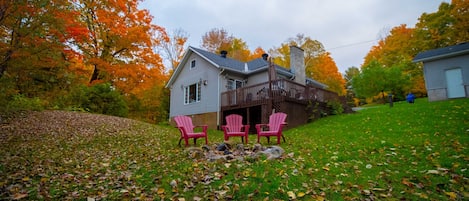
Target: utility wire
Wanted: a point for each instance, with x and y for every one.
(353, 44)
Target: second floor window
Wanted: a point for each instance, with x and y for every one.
(192, 93)
(192, 64)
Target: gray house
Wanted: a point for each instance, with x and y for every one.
(208, 86)
(446, 71)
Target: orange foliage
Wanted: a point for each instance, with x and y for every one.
(257, 53)
(325, 70)
(120, 44)
(218, 40)
(394, 48)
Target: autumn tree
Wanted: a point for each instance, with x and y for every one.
(396, 47)
(447, 26)
(257, 53)
(319, 65)
(119, 45)
(460, 13)
(172, 47)
(431, 28)
(325, 70)
(48, 46)
(33, 56)
(312, 49)
(217, 40)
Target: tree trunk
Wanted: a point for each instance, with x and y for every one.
(3, 65)
(95, 74)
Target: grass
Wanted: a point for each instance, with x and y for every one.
(407, 152)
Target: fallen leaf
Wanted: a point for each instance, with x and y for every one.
(19, 196)
(160, 191)
(452, 195)
(301, 194)
(291, 195)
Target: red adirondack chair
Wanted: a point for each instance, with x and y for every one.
(185, 126)
(234, 127)
(273, 128)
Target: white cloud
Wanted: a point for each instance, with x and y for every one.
(347, 29)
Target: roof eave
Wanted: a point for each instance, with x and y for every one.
(441, 56)
(184, 60)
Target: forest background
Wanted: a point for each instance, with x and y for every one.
(108, 57)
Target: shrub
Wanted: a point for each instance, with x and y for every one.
(20, 102)
(100, 98)
(336, 107)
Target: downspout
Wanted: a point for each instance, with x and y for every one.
(219, 98)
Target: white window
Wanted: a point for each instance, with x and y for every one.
(234, 84)
(192, 93)
(193, 64)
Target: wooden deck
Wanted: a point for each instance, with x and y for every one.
(257, 102)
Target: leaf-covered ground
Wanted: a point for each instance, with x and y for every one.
(408, 152)
(70, 155)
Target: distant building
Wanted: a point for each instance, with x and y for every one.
(446, 71)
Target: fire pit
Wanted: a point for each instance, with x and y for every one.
(226, 151)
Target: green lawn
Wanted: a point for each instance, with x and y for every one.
(407, 152)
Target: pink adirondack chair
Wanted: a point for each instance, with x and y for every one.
(273, 128)
(185, 126)
(234, 127)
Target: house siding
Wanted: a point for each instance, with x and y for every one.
(213, 72)
(435, 80)
(209, 92)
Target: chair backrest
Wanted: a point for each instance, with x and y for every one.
(234, 122)
(185, 122)
(275, 120)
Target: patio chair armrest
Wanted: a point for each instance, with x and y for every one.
(225, 128)
(259, 127)
(204, 128)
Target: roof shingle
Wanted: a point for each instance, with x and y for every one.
(434, 54)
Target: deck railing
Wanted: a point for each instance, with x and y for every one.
(277, 90)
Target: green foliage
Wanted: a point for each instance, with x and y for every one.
(375, 79)
(7, 91)
(100, 98)
(20, 102)
(336, 107)
(445, 27)
(147, 109)
(316, 110)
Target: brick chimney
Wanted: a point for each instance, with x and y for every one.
(297, 64)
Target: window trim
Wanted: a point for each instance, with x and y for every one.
(187, 93)
(193, 63)
(232, 84)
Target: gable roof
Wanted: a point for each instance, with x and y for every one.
(229, 64)
(218, 60)
(445, 52)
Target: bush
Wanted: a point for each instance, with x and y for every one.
(20, 102)
(336, 107)
(100, 98)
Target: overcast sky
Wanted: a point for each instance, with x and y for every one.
(346, 28)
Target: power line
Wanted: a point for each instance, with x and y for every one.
(353, 44)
